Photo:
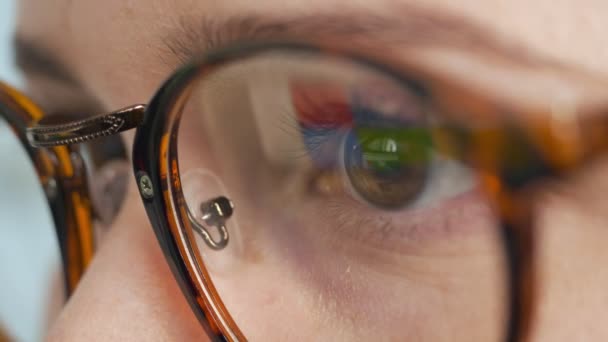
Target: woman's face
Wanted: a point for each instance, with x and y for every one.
(109, 54)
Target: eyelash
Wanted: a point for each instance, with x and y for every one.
(368, 227)
(396, 232)
(319, 136)
(347, 218)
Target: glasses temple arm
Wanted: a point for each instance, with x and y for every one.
(48, 135)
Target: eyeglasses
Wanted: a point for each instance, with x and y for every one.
(300, 191)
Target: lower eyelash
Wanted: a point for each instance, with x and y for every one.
(358, 227)
(408, 229)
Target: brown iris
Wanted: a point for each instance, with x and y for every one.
(388, 167)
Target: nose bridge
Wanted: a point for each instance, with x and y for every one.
(571, 229)
(107, 171)
(129, 269)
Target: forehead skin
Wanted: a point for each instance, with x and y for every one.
(115, 49)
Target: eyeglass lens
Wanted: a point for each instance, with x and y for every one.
(346, 221)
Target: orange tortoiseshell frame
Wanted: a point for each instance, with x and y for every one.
(3, 336)
(511, 149)
(63, 180)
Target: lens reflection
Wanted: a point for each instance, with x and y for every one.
(29, 255)
(349, 222)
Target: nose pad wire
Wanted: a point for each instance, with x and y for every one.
(214, 213)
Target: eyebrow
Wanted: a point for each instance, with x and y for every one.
(409, 27)
(413, 27)
(33, 59)
(194, 36)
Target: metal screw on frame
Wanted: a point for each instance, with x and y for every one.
(214, 213)
(145, 186)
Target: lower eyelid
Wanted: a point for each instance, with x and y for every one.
(424, 230)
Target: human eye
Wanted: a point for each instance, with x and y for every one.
(349, 217)
(379, 141)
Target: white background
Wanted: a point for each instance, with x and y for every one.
(28, 252)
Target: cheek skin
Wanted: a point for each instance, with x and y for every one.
(128, 293)
(317, 294)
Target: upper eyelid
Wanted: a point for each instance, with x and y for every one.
(512, 89)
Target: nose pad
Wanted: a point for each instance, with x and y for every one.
(214, 213)
(213, 218)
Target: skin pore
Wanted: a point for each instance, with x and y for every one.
(116, 53)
